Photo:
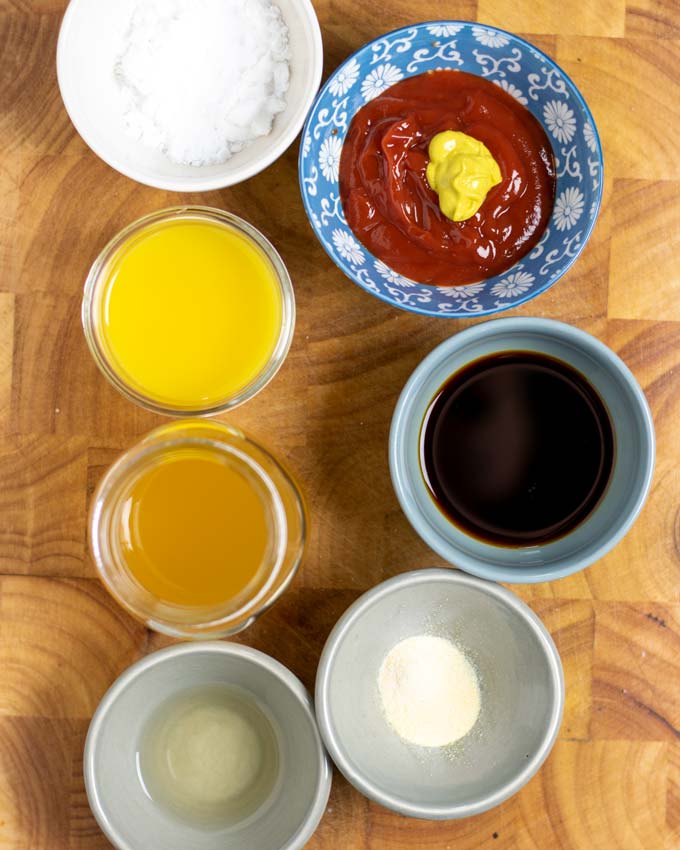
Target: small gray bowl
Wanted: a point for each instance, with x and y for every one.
(132, 821)
(633, 461)
(521, 684)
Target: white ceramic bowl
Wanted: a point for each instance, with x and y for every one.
(89, 40)
(132, 821)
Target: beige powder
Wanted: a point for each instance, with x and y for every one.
(429, 691)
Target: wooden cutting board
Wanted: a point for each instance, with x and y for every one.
(613, 779)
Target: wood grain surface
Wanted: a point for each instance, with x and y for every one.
(613, 779)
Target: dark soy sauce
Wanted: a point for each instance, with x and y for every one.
(517, 448)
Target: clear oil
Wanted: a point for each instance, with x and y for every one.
(209, 756)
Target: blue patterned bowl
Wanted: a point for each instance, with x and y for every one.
(523, 71)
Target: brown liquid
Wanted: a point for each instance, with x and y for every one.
(517, 448)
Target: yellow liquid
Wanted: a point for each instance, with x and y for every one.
(195, 530)
(191, 312)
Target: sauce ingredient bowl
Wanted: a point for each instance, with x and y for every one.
(130, 818)
(521, 690)
(172, 551)
(524, 72)
(634, 451)
(89, 41)
(195, 342)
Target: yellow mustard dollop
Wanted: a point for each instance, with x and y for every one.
(461, 171)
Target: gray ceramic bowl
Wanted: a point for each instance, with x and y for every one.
(132, 821)
(521, 684)
(633, 462)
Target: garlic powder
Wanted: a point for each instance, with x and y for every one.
(429, 691)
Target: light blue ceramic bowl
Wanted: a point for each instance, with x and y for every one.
(523, 71)
(633, 460)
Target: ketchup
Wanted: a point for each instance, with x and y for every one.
(390, 206)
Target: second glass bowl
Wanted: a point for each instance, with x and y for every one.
(203, 550)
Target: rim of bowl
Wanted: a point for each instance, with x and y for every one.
(316, 807)
(313, 70)
(335, 748)
(414, 308)
(473, 565)
(96, 279)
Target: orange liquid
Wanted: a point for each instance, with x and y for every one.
(195, 530)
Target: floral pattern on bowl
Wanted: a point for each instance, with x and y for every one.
(521, 70)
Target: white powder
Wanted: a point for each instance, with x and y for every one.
(201, 79)
(429, 691)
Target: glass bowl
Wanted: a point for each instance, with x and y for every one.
(96, 287)
(282, 505)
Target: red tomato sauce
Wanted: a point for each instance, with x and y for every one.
(388, 202)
